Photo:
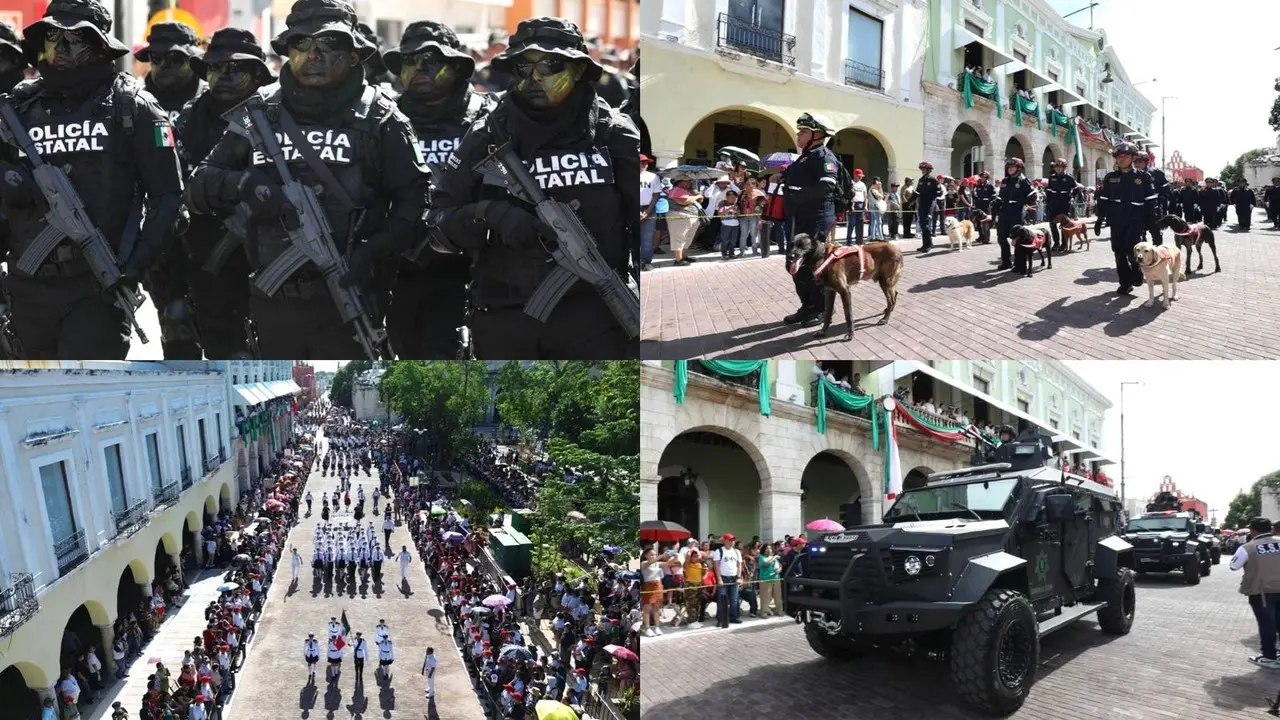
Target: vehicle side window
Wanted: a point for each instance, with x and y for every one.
(1102, 510)
(1084, 503)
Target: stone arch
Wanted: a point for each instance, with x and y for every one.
(33, 674)
(20, 684)
(1051, 153)
(1101, 167)
(866, 149)
(195, 522)
(99, 612)
(756, 126)
(211, 505)
(224, 497)
(743, 436)
(705, 451)
(172, 545)
(823, 494)
(141, 570)
(916, 477)
(696, 490)
(849, 447)
(1018, 145)
(129, 592)
(971, 149)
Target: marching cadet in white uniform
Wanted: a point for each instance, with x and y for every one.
(335, 628)
(311, 654)
(429, 669)
(386, 655)
(381, 631)
(295, 563)
(335, 658)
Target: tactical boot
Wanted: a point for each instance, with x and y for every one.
(797, 316)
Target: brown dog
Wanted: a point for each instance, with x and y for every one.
(1072, 229)
(1190, 237)
(840, 268)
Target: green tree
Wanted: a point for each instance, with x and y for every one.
(444, 398)
(344, 381)
(1233, 171)
(1247, 504)
(592, 404)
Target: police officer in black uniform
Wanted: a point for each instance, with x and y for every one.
(1127, 201)
(1144, 160)
(234, 68)
(1015, 195)
(1189, 198)
(983, 196)
(375, 67)
(1057, 200)
(360, 153)
(1220, 192)
(1243, 199)
(811, 183)
(13, 66)
(116, 147)
(1208, 202)
(928, 190)
(429, 296)
(579, 149)
(1272, 199)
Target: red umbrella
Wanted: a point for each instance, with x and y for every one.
(621, 653)
(663, 531)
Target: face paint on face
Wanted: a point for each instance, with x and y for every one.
(322, 61)
(546, 80)
(428, 75)
(171, 69)
(232, 82)
(69, 49)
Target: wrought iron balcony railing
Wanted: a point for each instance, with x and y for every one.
(856, 73)
(222, 454)
(168, 493)
(131, 519)
(186, 477)
(210, 464)
(18, 602)
(743, 36)
(70, 551)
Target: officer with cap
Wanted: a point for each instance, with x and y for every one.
(1144, 160)
(353, 144)
(429, 295)
(116, 147)
(172, 79)
(1015, 195)
(13, 62)
(984, 194)
(581, 151)
(375, 68)
(233, 68)
(810, 186)
(928, 190)
(1243, 199)
(1272, 200)
(1126, 201)
(1057, 200)
(613, 85)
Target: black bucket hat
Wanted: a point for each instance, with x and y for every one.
(230, 44)
(308, 18)
(429, 34)
(553, 35)
(72, 15)
(9, 40)
(168, 36)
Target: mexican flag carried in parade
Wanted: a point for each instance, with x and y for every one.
(341, 642)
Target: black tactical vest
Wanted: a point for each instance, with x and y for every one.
(93, 145)
(349, 148)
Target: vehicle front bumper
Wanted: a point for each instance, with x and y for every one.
(888, 618)
(1157, 560)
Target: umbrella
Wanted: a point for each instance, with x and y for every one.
(519, 652)
(629, 575)
(739, 154)
(621, 653)
(824, 525)
(439, 511)
(496, 601)
(228, 586)
(779, 160)
(241, 558)
(576, 516)
(663, 531)
(452, 536)
(552, 710)
(273, 505)
(479, 610)
(691, 172)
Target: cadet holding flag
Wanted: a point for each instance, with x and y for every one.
(114, 147)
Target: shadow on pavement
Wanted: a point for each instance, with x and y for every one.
(714, 344)
(307, 699)
(1081, 315)
(1240, 692)
(332, 698)
(386, 697)
(979, 279)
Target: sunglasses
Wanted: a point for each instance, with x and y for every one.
(232, 67)
(422, 59)
(544, 67)
(56, 35)
(169, 59)
(323, 43)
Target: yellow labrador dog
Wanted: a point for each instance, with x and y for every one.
(1160, 264)
(961, 233)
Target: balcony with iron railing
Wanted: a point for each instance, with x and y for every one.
(131, 519)
(747, 381)
(222, 454)
(861, 75)
(746, 37)
(18, 602)
(70, 551)
(211, 463)
(187, 480)
(168, 493)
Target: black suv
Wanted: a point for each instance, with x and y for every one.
(975, 567)
(1168, 541)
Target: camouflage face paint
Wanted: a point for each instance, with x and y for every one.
(69, 49)
(170, 70)
(231, 82)
(322, 61)
(428, 75)
(546, 80)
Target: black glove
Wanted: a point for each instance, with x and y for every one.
(138, 262)
(17, 188)
(265, 198)
(515, 226)
(363, 258)
(1097, 227)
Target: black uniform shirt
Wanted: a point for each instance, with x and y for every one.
(1126, 196)
(1058, 194)
(811, 180)
(928, 190)
(1015, 195)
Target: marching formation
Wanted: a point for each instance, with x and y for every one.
(354, 203)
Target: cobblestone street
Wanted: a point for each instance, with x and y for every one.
(1184, 658)
(955, 304)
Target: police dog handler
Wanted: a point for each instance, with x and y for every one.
(116, 147)
(579, 149)
(1260, 558)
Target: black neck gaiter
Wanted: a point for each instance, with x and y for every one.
(532, 128)
(76, 83)
(174, 98)
(319, 104)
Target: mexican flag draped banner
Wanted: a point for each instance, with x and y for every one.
(346, 630)
(850, 401)
(727, 368)
(1073, 139)
(972, 83)
(892, 462)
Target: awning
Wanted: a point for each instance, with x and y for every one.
(964, 37)
(248, 395)
(1072, 98)
(281, 388)
(264, 391)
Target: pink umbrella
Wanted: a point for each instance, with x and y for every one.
(621, 653)
(824, 525)
(494, 601)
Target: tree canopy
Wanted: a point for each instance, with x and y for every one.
(1233, 171)
(1247, 505)
(443, 397)
(344, 381)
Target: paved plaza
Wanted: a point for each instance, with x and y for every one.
(1184, 658)
(956, 304)
(273, 683)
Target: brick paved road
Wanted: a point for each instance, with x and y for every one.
(1184, 658)
(272, 685)
(956, 304)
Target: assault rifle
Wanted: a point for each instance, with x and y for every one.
(311, 241)
(10, 347)
(573, 248)
(67, 218)
(237, 232)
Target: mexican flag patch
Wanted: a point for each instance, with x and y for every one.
(164, 135)
(829, 167)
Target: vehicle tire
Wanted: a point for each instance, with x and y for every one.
(1121, 599)
(995, 651)
(1206, 566)
(1217, 557)
(831, 648)
(1191, 570)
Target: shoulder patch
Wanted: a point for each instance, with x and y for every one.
(453, 161)
(829, 166)
(164, 134)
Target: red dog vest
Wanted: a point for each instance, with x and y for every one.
(1037, 240)
(839, 253)
(1193, 231)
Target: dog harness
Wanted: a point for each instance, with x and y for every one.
(1163, 254)
(1193, 231)
(1037, 240)
(842, 252)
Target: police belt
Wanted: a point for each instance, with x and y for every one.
(304, 285)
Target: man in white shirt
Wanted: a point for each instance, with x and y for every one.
(716, 192)
(294, 563)
(359, 650)
(429, 669)
(650, 186)
(404, 562)
(728, 562)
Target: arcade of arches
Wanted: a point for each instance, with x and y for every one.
(971, 151)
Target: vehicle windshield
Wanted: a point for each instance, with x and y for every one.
(1156, 524)
(983, 498)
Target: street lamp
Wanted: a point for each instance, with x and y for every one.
(1162, 143)
(1122, 384)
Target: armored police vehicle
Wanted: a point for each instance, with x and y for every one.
(1167, 539)
(974, 567)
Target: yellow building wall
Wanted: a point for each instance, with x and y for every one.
(681, 89)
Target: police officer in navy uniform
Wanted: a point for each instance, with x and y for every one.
(369, 173)
(811, 182)
(1189, 196)
(429, 295)
(1208, 202)
(1220, 192)
(1144, 160)
(1058, 194)
(1243, 199)
(234, 68)
(928, 190)
(1271, 198)
(13, 66)
(1127, 201)
(983, 195)
(116, 146)
(1015, 194)
(579, 149)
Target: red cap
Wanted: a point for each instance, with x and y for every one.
(199, 698)
(486, 642)
(580, 671)
(728, 536)
(488, 652)
(587, 640)
(517, 696)
(509, 686)
(645, 158)
(857, 172)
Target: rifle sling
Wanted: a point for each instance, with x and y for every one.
(313, 159)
